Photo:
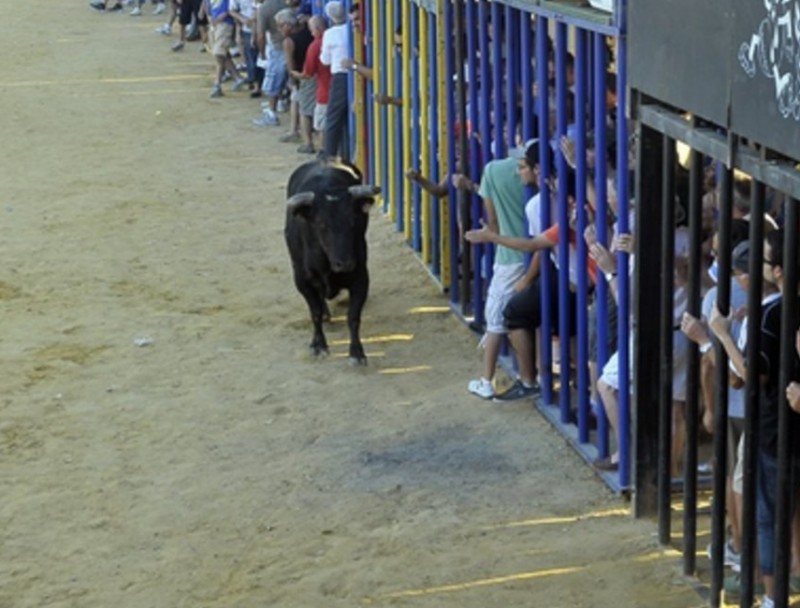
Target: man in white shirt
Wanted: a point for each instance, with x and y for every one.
(335, 49)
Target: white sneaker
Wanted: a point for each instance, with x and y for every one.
(165, 29)
(482, 388)
(136, 11)
(160, 8)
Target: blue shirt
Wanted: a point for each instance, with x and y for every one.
(218, 8)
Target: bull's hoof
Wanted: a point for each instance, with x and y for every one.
(318, 353)
(357, 361)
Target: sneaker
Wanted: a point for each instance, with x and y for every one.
(136, 12)
(216, 91)
(516, 392)
(239, 85)
(178, 46)
(234, 51)
(204, 48)
(283, 106)
(306, 149)
(160, 8)
(730, 558)
(267, 120)
(732, 585)
(116, 8)
(256, 94)
(290, 138)
(481, 387)
(165, 29)
(98, 5)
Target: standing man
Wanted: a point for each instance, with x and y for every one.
(320, 77)
(222, 24)
(772, 397)
(269, 41)
(335, 49)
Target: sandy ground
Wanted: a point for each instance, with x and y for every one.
(219, 465)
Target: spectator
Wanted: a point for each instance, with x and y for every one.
(767, 361)
(191, 9)
(166, 29)
(320, 77)
(269, 41)
(222, 24)
(335, 48)
(244, 12)
(502, 192)
(521, 311)
(296, 40)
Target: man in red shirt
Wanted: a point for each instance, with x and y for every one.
(314, 69)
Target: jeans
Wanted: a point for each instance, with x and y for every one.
(250, 55)
(337, 119)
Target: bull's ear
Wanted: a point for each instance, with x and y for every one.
(300, 202)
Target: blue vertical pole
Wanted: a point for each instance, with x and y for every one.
(583, 283)
(433, 70)
(477, 211)
(512, 18)
(485, 112)
(526, 52)
(416, 112)
(563, 224)
(546, 346)
(398, 141)
(601, 293)
(499, 75)
(382, 63)
(622, 267)
(369, 35)
(452, 166)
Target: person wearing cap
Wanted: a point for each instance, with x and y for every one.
(771, 399)
(521, 311)
(335, 49)
(502, 191)
(698, 332)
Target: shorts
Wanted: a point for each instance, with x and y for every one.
(306, 96)
(275, 74)
(320, 112)
(735, 434)
(610, 375)
(524, 309)
(223, 39)
(738, 470)
(189, 9)
(501, 290)
(680, 354)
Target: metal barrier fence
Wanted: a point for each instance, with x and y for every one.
(464, 74)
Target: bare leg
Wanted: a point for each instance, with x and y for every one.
(522, 343)
(678, 436)
(491, 351)
(608, 396)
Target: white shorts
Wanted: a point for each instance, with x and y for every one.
(499, 293)
(320, 112)
(680, 346)
(738, 470)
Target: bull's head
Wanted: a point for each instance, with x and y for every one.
(339, 221)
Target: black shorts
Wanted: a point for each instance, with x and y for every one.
(189, 9)
(524, 309)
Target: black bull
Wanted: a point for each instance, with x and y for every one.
(327, 212)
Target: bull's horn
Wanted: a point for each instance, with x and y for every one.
(301, 199)
(363, 191)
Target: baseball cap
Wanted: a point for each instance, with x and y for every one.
(740, 258)
(520, 151)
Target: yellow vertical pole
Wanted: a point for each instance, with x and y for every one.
(425, 129)
(407, 95)
(359, 93)
(377, 147)
(391, 120)
(444, 145)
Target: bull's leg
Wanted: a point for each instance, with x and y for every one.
(317, 309)
(358, 296)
